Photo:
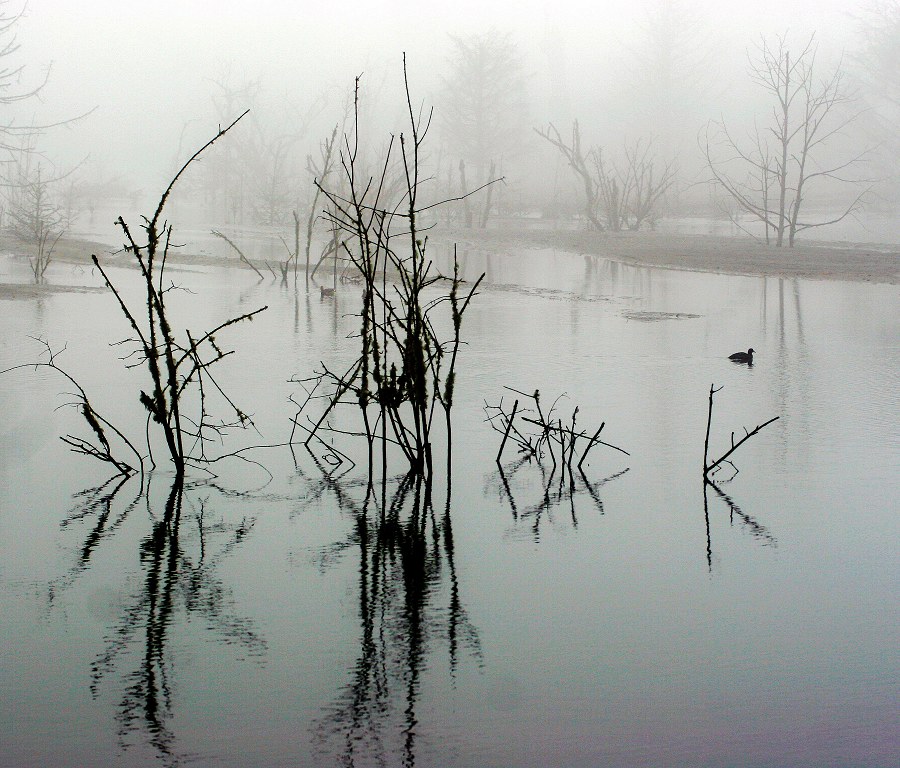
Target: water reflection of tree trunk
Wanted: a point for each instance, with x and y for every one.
(756, 529)
(556, 491)
(763, 310)
(791, 373)
(149, 693)
(796, 286)
(781, 312)
(335, 315)
(172, 581)
(708, 536)
(97, 501)
(406, 564)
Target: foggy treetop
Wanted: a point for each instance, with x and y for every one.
(161, 76)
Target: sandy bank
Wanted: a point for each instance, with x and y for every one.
(704, 253)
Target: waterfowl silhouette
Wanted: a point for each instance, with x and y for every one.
(742, 357)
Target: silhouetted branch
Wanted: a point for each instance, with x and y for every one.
(102, 449)
(549, 430)
(509, 422)
(404, 371)
(708, 466)
(174, 367)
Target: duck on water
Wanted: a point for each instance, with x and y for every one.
(742, 357)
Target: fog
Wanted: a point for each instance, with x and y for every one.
(155, 75)
(306, 563)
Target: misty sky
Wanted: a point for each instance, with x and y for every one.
(149, 67)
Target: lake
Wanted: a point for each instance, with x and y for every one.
(633, 617)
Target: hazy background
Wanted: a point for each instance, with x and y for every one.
(162, 76)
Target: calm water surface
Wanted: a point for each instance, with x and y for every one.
(288, 621)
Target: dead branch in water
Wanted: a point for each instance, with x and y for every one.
(709, 467)
(405, 372)
(509, 422)
(101, 449)
(546, 433)
(239, 252)
(176, 367)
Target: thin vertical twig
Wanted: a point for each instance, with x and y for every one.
(509, 422)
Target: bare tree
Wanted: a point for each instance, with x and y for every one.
(483, 105)
(578, 162)
(274, 161)
(18, 135)
(275, 180)
(877, 60)
(666, 79)
(225, 174)
(624, 193)
(320, 170)
(11, 89)
(668, 73)
(34, 215)
(879, 55)
(631, 189)
(770, 175)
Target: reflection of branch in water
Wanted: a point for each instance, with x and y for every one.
(93, 501)
(505, 489)
(757, 530)
(459, 628)
(592, 488)
(406, 568)
(173, 580)
(544, 506)
(564, 492)
(708, 536)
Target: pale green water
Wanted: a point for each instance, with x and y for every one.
(285, 625)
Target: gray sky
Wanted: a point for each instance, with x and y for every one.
(149, 67)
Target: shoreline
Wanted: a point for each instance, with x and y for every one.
(852, 262)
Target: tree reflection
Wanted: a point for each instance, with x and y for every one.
(558, 491)
(409, 607)
(95, 502)
(756, 529)
(178, 559)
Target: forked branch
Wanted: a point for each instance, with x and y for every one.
(712, 466)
